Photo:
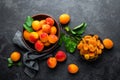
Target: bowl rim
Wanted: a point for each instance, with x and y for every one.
(50, 48)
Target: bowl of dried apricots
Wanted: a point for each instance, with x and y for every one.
(91, 47)
(41, 33)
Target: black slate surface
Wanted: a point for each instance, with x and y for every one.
(103, 18)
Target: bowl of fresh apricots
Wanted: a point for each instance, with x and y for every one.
(43, 34)
(91, 47)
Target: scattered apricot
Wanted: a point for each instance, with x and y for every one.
(36, 25)
(61, 56)
(26, 35)
(15, 56)
(73, 68)
(51, 62)
(108, 43)
(52, 38)
(64, 18)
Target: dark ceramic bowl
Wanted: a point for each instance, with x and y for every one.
(96, 55)
(30, 46)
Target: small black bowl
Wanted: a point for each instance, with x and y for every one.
(93, 59)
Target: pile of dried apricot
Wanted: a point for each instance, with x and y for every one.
(90, 47)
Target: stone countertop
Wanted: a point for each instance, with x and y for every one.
(102, 17)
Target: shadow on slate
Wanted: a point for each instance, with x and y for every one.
(30, 58)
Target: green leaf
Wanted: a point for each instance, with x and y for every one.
(61, 39)
(78, 27)
(19, 63)
(67, 28)
(10, 65)
(29, 21)
(81, 29)
(10, 61)
(27, 28)
(73, 32)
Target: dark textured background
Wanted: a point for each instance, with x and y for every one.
(103, 18)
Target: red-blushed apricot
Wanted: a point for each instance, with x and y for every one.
(53, 30)
(46, 28)
(26, 35)
(61, 56)
(33, 37)
(49, 21)
(73, 68)
(44, 37)
(39, 46)
(15, 56)
(36, 25)
(52, 38)
(108, 43)
(51, 62)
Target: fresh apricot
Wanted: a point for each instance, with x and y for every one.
(15, 56)
(46, 28)
(36, 25)
(47, 44)
(64, 18)
(51, 62)
(39, 46)
(61, 56)
(53, 30)
(108, 43)
(42, 22)
(40, 32)
(49, 21)
(52, 38)
(26, 35)
(44, 37)
(73, 68)
(33, 37)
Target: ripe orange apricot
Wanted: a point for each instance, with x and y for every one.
(44, 37)
(42, 22)
(40, 32)
(64, 18)
(51, 62)
(108, 43)
(73, 68)
(47, 43)
(52, 38)
(15, 56)
(33, 37)
(46, 28)
(53, 30)
(26, 35)
(36, 25)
